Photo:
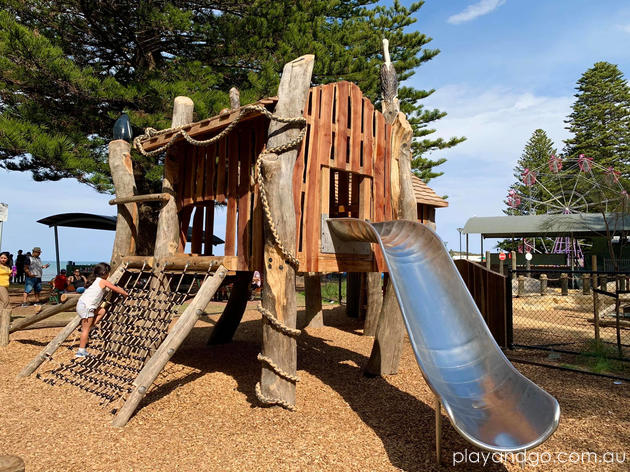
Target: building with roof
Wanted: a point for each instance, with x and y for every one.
(427, 201)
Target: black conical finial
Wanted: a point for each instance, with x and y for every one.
(122, 128)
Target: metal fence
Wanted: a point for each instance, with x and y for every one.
(577, 312)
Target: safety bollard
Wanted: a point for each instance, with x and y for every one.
(564, 284)
(543, 284)
(586, 284)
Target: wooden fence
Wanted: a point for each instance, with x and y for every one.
(488, 288)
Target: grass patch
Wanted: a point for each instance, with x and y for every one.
(600, 358)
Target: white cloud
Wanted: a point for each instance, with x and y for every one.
(483, 7)
(625, 28)
(497, 123)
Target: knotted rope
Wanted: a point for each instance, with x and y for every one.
(288, 256)
(179, 131)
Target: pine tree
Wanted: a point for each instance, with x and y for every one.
(69, 68)
(535, 158)
(600, 120)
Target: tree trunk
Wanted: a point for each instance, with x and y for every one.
(388, 340)
(374, 302)
(11, 464)
(68, 305)
(313, 316)
(167, 236)
(353, 294)
(278, 294)
(5, 321)
(387, 347)
(232, 315)
(125, 185)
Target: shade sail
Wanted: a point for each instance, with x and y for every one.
(579, 225)
(89, 221)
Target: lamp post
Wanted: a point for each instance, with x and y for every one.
(459, 230)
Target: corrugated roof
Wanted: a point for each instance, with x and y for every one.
(578, 225)
(425, 195)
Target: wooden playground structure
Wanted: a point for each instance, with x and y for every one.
(282, 167)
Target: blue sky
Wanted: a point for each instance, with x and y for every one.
(506, 67)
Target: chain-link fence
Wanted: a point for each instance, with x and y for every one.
(576, 312)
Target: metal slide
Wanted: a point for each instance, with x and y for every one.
(486, 399)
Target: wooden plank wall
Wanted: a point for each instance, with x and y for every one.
(488, 289)
(345, 133)
(223, 174)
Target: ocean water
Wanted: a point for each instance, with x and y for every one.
(51, 272)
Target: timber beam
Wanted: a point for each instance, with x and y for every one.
(151, 197)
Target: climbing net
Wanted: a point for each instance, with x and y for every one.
(128, 335)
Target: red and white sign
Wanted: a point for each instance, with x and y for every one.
(502, 256)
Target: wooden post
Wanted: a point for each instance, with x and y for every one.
(232, 315)
(167, 237)
(374, 302)
(390, 331)
(175, 338)
(586, 284)
(543, 284)
(125, 185)
(513, 254)
(564, 284)
(11, 464)
(50, 349)
(520, 286)
(488, 261)
(313, 314)
(438, 429)
(47, 312)
(278, 293)
(363, 296)
(353, 294)
(388, 339)
(5, 320)
(389, 86)
(595, 298)
(235, 99)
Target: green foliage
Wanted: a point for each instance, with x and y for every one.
(69, 68)
(535, 157)
(600, 120)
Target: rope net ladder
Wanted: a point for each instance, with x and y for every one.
(127, 336)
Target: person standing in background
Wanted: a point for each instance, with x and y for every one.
(5, 271)
(19, 267)
(33, 269)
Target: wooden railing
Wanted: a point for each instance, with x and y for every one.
(488, 288)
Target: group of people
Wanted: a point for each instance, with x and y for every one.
(30, 271)
(73, 283)
(89, 306)
(17, 274)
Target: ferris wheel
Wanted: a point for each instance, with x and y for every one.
(567, 186)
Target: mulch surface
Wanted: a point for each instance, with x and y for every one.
(202, 413)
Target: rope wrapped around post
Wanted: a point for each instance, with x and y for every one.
(290, 259)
